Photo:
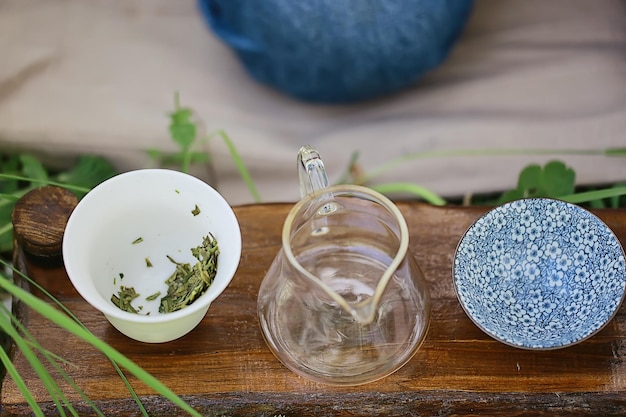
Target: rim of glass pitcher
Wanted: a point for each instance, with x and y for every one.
(339, 190)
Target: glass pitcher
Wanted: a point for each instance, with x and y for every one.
(343, 302)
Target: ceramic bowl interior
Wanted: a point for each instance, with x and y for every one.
(122, 233)
(540, 273)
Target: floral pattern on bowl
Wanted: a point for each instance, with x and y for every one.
(540, 273)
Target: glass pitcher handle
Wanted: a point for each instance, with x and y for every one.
(311, 171)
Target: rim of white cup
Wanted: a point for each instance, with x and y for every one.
(107, 308)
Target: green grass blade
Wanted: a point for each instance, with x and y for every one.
(587, 196)
(615, 199)
(410, 188)
(186, 160)
(345, 177)
(482, 152)
(8, 227)
(46, 379)
(19, 382)
(46, 182)
(71, 326)
(129, 387)
(54, 360)
(73, 317)
(615, 152)
(10, 198)
(35, 345)
(241, 167)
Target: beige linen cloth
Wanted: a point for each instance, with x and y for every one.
(99, 77)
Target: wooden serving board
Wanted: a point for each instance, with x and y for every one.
(224, 368)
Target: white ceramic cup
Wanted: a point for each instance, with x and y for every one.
(137, 219)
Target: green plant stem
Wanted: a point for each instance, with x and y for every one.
(6, 228)
(34, 344)
(42, 373)
(10, 198)
(414, 189)
(46, 182)
(587, 196)
(487, 152)
(186, 163)
(186, 150)
(73, 317)
(241, 167)
(53, 360)
(19, 382)
(348, 173)
(71, 326)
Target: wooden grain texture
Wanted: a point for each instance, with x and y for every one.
(223, 367)
(39, 220)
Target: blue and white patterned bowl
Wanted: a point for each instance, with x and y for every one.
(540, 273)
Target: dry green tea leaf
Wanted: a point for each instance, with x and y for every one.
(187, 283)
(153, 296)
(124, 298)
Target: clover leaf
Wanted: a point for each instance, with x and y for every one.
(553, 180)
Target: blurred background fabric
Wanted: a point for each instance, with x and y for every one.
(338, 51)
(100, 77)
